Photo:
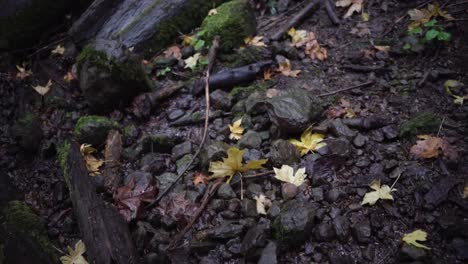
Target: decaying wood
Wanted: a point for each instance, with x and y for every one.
(112, 171)
(104, 231)
(144, 103)
(331, 12)
(227, 79)
(312, 6)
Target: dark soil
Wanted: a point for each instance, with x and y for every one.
(429, 192)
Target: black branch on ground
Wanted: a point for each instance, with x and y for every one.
(105, 233)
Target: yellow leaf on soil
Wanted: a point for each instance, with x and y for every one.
(43, 90)
(236, 130)
(415, 236)
(75, 256)
(92, 164)
(285, 69)
(233, 164)
(380, 192)
(309, 142)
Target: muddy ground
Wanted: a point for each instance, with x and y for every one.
(429, 192)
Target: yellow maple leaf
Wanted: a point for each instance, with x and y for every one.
(233, 164)
(255, 41)
(75, 256)
(380, 192)
(236, 130)
(286, 174)
(192, 61)
(22, 72)
(285, 69)
(60, 50)
(415, 236)
(354, 6)
(43, 90)
(92, 164)
(457, 99)
(187, 39)
(298, 37)
(309, 142)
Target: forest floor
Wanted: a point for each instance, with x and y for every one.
(363, 129)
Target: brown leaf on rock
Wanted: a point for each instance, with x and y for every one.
(344, 109)
(286, 69)
(173, 52)
(428, 147)
(178, 208)
(130, 198)
(200, 178)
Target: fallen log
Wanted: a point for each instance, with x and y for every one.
(112, 171)
(227, 79)
(104, 231)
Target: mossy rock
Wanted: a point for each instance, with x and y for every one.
(23, 22)
(234, 21)
(245, 56)
(93, 129)
(28, 131)
(63, 151)
(25, 239)
(109, 81)
(159, 143)
(420, 124)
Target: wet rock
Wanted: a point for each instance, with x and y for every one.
(420, 124)
(376, 135)
(339, 146)
(324, 232)
(28, 131)
(390, 132)
(317, 194)
(334, 195)
(226, 230)
(234, 21)
(362, 231)
(226, 192)
(251, 140)
(218, 205)
(360, 140)
(214, 151)
(294, 222)
(439, 192)
(249, 208)
(130, 134)
(151, 258)
(460, 247)
(183, 162)
(165, 180)
(294, 110)
(367, 123)
(283, 152)
(289, 191)
(339, 129)
(93, 129)
(160, 143)
(269, 254)
(322, 169)
(182, 149)
(408, 252)
(253, 190)
(176, 114)
(234, 246)
(187, 52)
(274, 210)
(221, 100)
(139, 176)
(153, 162)
(341, 226)
(254, 238)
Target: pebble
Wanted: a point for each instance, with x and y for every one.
(360, 140)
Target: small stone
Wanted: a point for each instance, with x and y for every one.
(362, 231)
(317, 194)
(339, 146)
(165, 180)
(339, 129)
(214, 151)
(377, 135)
(341, 226)
(183, 162)
(254, 238)
(340, 256)
(334, 195)
(408, 252)
(187, 51)
(218, 205)
(360, 140)
(249, 207)
(283, 152)
(253, 190)
(182, 149)
(289, 191)
(226, 192)
(221, 100)
(390, 132)
(269, 254)
(226, 230)
(460, 247)
(176, 114)
(274, 210)
(324, 232)
(251, 140)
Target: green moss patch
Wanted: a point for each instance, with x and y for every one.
(421, 123)
(93, 129)
(234, 21)
(62, 156)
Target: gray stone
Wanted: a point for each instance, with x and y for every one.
(362, 231)
(283, 152)
(182, 149)
(249, 208)
(334, 195)
(214, 151)
(175, 114)
(360, 140)
(339, 129)
(226, 230)
(139, 176)
(324, 232)
(165, 180)
(218, 205)
(183, 162)
(221, 100)
(294, 110)
(340, 256)
(225, 191)
(153, 162)
(251, 140)
(253, 190)
(269, 254)
(339, 146)
(408, 252)
(288, 190)
(294, 222)
(341, 226)
(460, 247)
(317, 194)
(390, 132)
(254, 238)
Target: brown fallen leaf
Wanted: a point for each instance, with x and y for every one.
(92, 164)
(178, 208)
(200, 178)
(428, 147)
(256, 41)
(285, 69)
(267, 74)
(344, 109)
(173, 52)
(69, 77)
(130, 198)
(354, 6)
(22, 72)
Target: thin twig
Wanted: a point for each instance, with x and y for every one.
(259, 174)
(346, 89)
(296, 19)
(393, 185)
(211, 60)
(440, 127)
(206, 198)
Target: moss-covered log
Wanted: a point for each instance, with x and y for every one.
(24, 237)
(147, 26)
(104, 231)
